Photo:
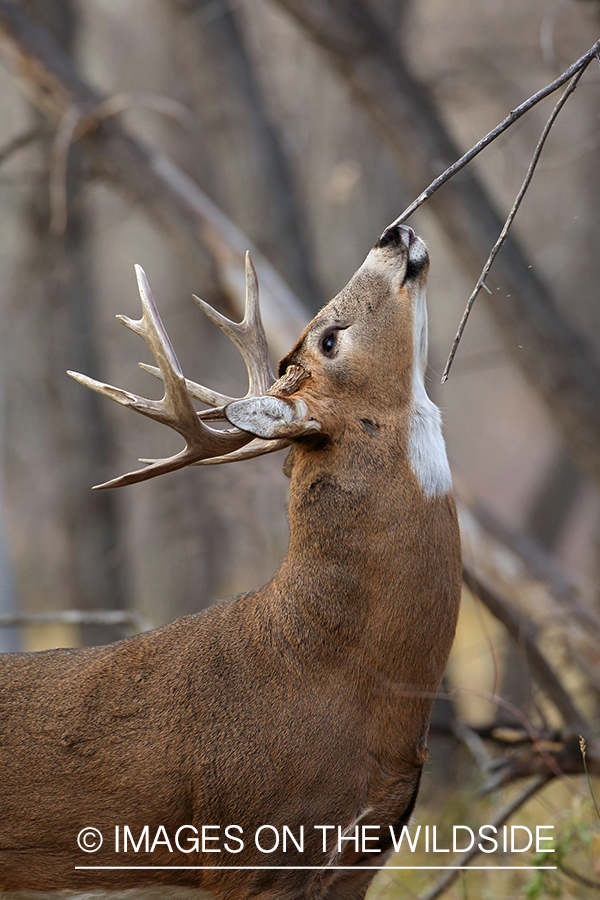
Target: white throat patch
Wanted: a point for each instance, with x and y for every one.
(426, 448)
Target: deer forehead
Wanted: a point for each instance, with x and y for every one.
(373, 320)
(375, 313)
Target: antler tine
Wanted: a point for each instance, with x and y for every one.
(248, 335)
(175, 409)
(198, 391)
(256, 447)
(250, 339)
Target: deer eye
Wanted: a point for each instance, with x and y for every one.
(328, 342)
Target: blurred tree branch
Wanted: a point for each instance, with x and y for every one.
(21, 141)
(132, 619)
(558, 361)
(256, 187)
(210, 242)
(524, 634)
(523, 571)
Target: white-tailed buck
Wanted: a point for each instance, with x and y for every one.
(302, 704)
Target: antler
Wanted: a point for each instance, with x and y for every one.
(202, 444)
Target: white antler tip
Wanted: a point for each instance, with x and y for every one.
(201, 303)
(216, 317)
(82, 379)
(143, 286)
(250, 267)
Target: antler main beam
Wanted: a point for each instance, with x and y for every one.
(202, 443)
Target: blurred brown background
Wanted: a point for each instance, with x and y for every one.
(242, 99)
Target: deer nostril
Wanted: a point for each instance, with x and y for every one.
(398, 235)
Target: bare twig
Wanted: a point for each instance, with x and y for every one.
(450, 876)
(524, 751)
(59, 160)
(583, 748)
(473, 742)
(502, 237)
(539, 754)
(513, 116)
(576, 876)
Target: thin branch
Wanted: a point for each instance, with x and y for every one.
(583, 749)
(577, 68)
(501, 735)
(576, 876)
(472, 741)
(21, 141)
(76, 617)
(495, 249)
(59, 160)
(524, 751)
(449, 877)
(539, 754)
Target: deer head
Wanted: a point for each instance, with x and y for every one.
(359, 363)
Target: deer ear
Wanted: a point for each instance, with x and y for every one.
(272, 417)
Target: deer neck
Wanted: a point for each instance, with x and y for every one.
(367, 544)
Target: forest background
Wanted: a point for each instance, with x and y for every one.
(176, 133)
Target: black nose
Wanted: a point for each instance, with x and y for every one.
(396, 235)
